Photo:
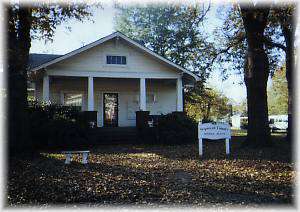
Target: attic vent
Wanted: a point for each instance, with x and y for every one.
(119, 60)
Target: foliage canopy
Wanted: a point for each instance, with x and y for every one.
(207, 104)
(172, 31)
(278, 94)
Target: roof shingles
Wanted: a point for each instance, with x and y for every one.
(36, 60)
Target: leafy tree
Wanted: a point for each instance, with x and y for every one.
(278, 94)
(242, 40)
(231, 44)
(172, 31)
(208, 104)
(26, 22)
(278, 39)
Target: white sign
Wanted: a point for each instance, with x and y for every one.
(213, 131)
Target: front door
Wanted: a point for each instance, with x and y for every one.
(110, 109)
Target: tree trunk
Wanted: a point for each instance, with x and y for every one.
(256, 85)
(289, 57)
(256, 77)
(18, 54)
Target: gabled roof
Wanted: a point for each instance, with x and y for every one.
(36, 60)
(107, 38)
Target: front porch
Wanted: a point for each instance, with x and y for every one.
(113, 100)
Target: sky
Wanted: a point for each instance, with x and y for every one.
(83, 33)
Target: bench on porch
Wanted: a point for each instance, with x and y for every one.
(70, 153)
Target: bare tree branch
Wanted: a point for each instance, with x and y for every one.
(270, 43)
(225, 50)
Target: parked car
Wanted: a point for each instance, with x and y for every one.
(278, 122)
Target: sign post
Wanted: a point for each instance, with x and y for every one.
(227, 147)
(200, 146)
(214, 131)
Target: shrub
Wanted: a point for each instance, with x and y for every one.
(206, 120)
(176, 128)
(54, 111)
(55, 126)
(65, 134)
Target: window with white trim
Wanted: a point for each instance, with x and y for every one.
(116, 60)
(73, 99)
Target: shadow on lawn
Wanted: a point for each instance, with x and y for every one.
(281, 151)
(47, 180)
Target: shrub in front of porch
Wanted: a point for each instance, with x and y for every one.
(176, 128)
(56, 126)
(65, 134)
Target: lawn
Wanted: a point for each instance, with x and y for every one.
(156, 174)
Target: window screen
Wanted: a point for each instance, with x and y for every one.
(119, 60)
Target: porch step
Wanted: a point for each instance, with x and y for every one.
(117, 135)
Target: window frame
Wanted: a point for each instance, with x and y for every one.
(116, 59)
(73, 92)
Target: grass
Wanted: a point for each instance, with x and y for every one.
(156, 174)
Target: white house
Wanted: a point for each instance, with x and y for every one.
(236, 121)
(114, 76)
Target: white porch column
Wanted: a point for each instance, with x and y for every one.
(179, 94)
(143, 94)
(62, 98)
(34, 91)
(90, 94)
(46, 88)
